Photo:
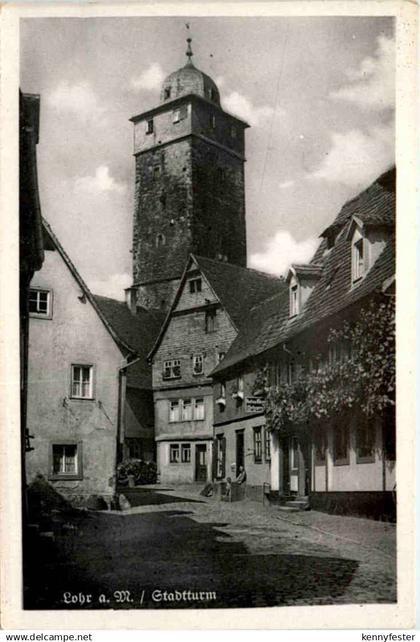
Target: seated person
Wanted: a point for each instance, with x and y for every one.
(241, 478)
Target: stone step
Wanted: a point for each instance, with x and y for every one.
(289, 509)
(298, 504)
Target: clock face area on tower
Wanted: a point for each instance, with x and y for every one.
(190, 191)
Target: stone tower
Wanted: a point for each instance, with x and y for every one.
(189, 189)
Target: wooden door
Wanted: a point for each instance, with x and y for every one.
(201, 462)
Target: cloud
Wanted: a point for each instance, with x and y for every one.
(372, 85)
(281, 251)
(112, 287)
(356, 158)
(286, 184)
(242, 107)
(150, 79)
(101, 182)
(78, 99)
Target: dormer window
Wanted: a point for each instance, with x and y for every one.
(198, 363)
(294, 300)
(358, 258)
(195, 285)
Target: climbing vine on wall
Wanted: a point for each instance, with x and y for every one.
(362, 376)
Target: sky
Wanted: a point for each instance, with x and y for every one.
(317, 92)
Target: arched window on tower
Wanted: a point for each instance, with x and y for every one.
(160, 239)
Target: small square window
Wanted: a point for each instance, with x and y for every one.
(40, 303)
(195, 285)
(82, 382)
(66, 461)
(174, 453)
(150, 127)
(186, 453)
(198, 363)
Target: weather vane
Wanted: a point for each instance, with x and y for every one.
(189, 52)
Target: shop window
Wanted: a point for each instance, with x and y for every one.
(172, 369)
(174, 453)
(82, 382)
(365, 441)
(40, 303)
(341, 441)
(186, 453)
(258, 445)
(66, 461)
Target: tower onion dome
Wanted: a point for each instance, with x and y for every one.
(189, 80)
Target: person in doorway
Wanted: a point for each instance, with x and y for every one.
(241, 478)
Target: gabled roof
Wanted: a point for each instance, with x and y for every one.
(237, 288)
(52, 240)
(139, 331)
(270, 325)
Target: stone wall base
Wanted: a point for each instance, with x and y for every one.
(379, 505)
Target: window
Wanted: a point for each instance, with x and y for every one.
(211, 93)
(210, 321)
(198, 362)
(186, 410)
(179, 114)
(160, 240)
(199, 409)
(173, 411)
(156, 172)
(222, 390)
(358, 259)
(341, 445)
(81, 382)
(220, 356)
(258, 445)
(294, 300)
(365, 442)
(213, 121)
(172, 369)
(220, 456)
(167, 93)
(150, 127)
(66, 461)
(40, 303)
(174, 453)
(267, 445)
(135, 447)
(233, 132)
(185, 453)
(320, 444)
(240, 384)
(195, 285)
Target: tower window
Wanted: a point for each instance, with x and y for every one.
(160, 240)
(195, 285)
(179, 114)
(211, 93)
(150, 128)
(167, 93)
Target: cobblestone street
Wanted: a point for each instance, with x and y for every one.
(241, 554)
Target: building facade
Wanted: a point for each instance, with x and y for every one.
(329, 411)
(189, 190)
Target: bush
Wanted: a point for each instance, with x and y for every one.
(144, 472)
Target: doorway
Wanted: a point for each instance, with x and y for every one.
(201, 463)
(240, 450)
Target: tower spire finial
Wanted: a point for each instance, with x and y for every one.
(189, 52)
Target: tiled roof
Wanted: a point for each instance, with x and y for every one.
(238, 288)
(138, 331)
(269, 324)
